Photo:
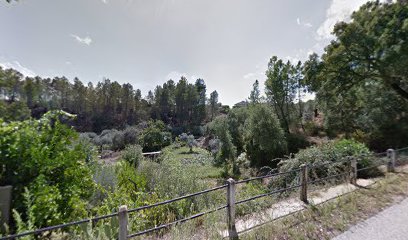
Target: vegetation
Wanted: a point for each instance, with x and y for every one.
(51, 157)
(41, 157)
(331, 218)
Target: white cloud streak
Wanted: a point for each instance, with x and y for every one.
(17, 66)
(85, 40)
(304, 24)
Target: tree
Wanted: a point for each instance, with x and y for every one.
(155, 136)
(369, 48)
(254, 97)
(236, 126)
(227, 152)
(280, 88)
(264, 138)
(199, 110)
(213, 104)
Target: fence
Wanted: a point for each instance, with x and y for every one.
(122, 215)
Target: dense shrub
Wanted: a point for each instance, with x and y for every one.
(118, 141)
(334, 153)
(296, 142)
(264, 138)
(40, 155)
(131, 135)
(155, 136)
(14, 111)
(226, 151)
(133, 154)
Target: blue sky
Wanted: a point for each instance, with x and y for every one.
(147, 42)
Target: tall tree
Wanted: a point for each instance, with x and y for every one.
(254, 97)
(199, 111)
(280, 88)
(213, 104)
(371, 47)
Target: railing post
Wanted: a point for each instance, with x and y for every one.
(232, 231)
(391, 162)
(353, 171)
(123, 222)
(303, 183)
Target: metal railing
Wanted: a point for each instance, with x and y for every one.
(350, 171)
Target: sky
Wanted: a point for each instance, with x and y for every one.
(228, 43)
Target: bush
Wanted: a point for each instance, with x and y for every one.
(131, 135)
(188, 141)
(296, 142)
(118, 141)
(264, 138)
(41, 155)
(133, 154)
(332, 152)
(155, 136)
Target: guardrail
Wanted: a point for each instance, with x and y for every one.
(231, 203)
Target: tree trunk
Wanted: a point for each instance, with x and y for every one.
(399, 91)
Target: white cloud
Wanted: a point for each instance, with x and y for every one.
(339, 10)
(304, 24)
(85, 40)
(17, 66)
(105, 1)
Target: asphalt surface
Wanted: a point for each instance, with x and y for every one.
(390, 224)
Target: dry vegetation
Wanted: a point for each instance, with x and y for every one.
(334, 217)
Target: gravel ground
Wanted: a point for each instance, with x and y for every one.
(392, 223)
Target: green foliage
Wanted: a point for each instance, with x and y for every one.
(330, 156)
(42, 156)
(133, 154)
(360, 94)
(213, 104)
(264, 138)
(236, 123)
(255, 96)
(226, 151)
(188, 140)
(281, 86)
(296, 141)
(14, 111)
(155, 136)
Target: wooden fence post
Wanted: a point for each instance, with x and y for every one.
(123, 222)
(353, 171)
(391, 162)
(232, 231)
(303, 183)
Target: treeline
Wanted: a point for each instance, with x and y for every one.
(107, 104)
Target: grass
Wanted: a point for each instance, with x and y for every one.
(334, 217)
(200, 161)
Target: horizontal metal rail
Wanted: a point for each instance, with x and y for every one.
(267, 194)
(401, 149)
(176, 199)
(371, 167)
(95, 219)
(327, 178)
(167, 225)
(267, 176)
(46, 229)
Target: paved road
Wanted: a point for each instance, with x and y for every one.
(392, 224)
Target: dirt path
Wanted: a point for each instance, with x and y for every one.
(292, 205)
(388, 224)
